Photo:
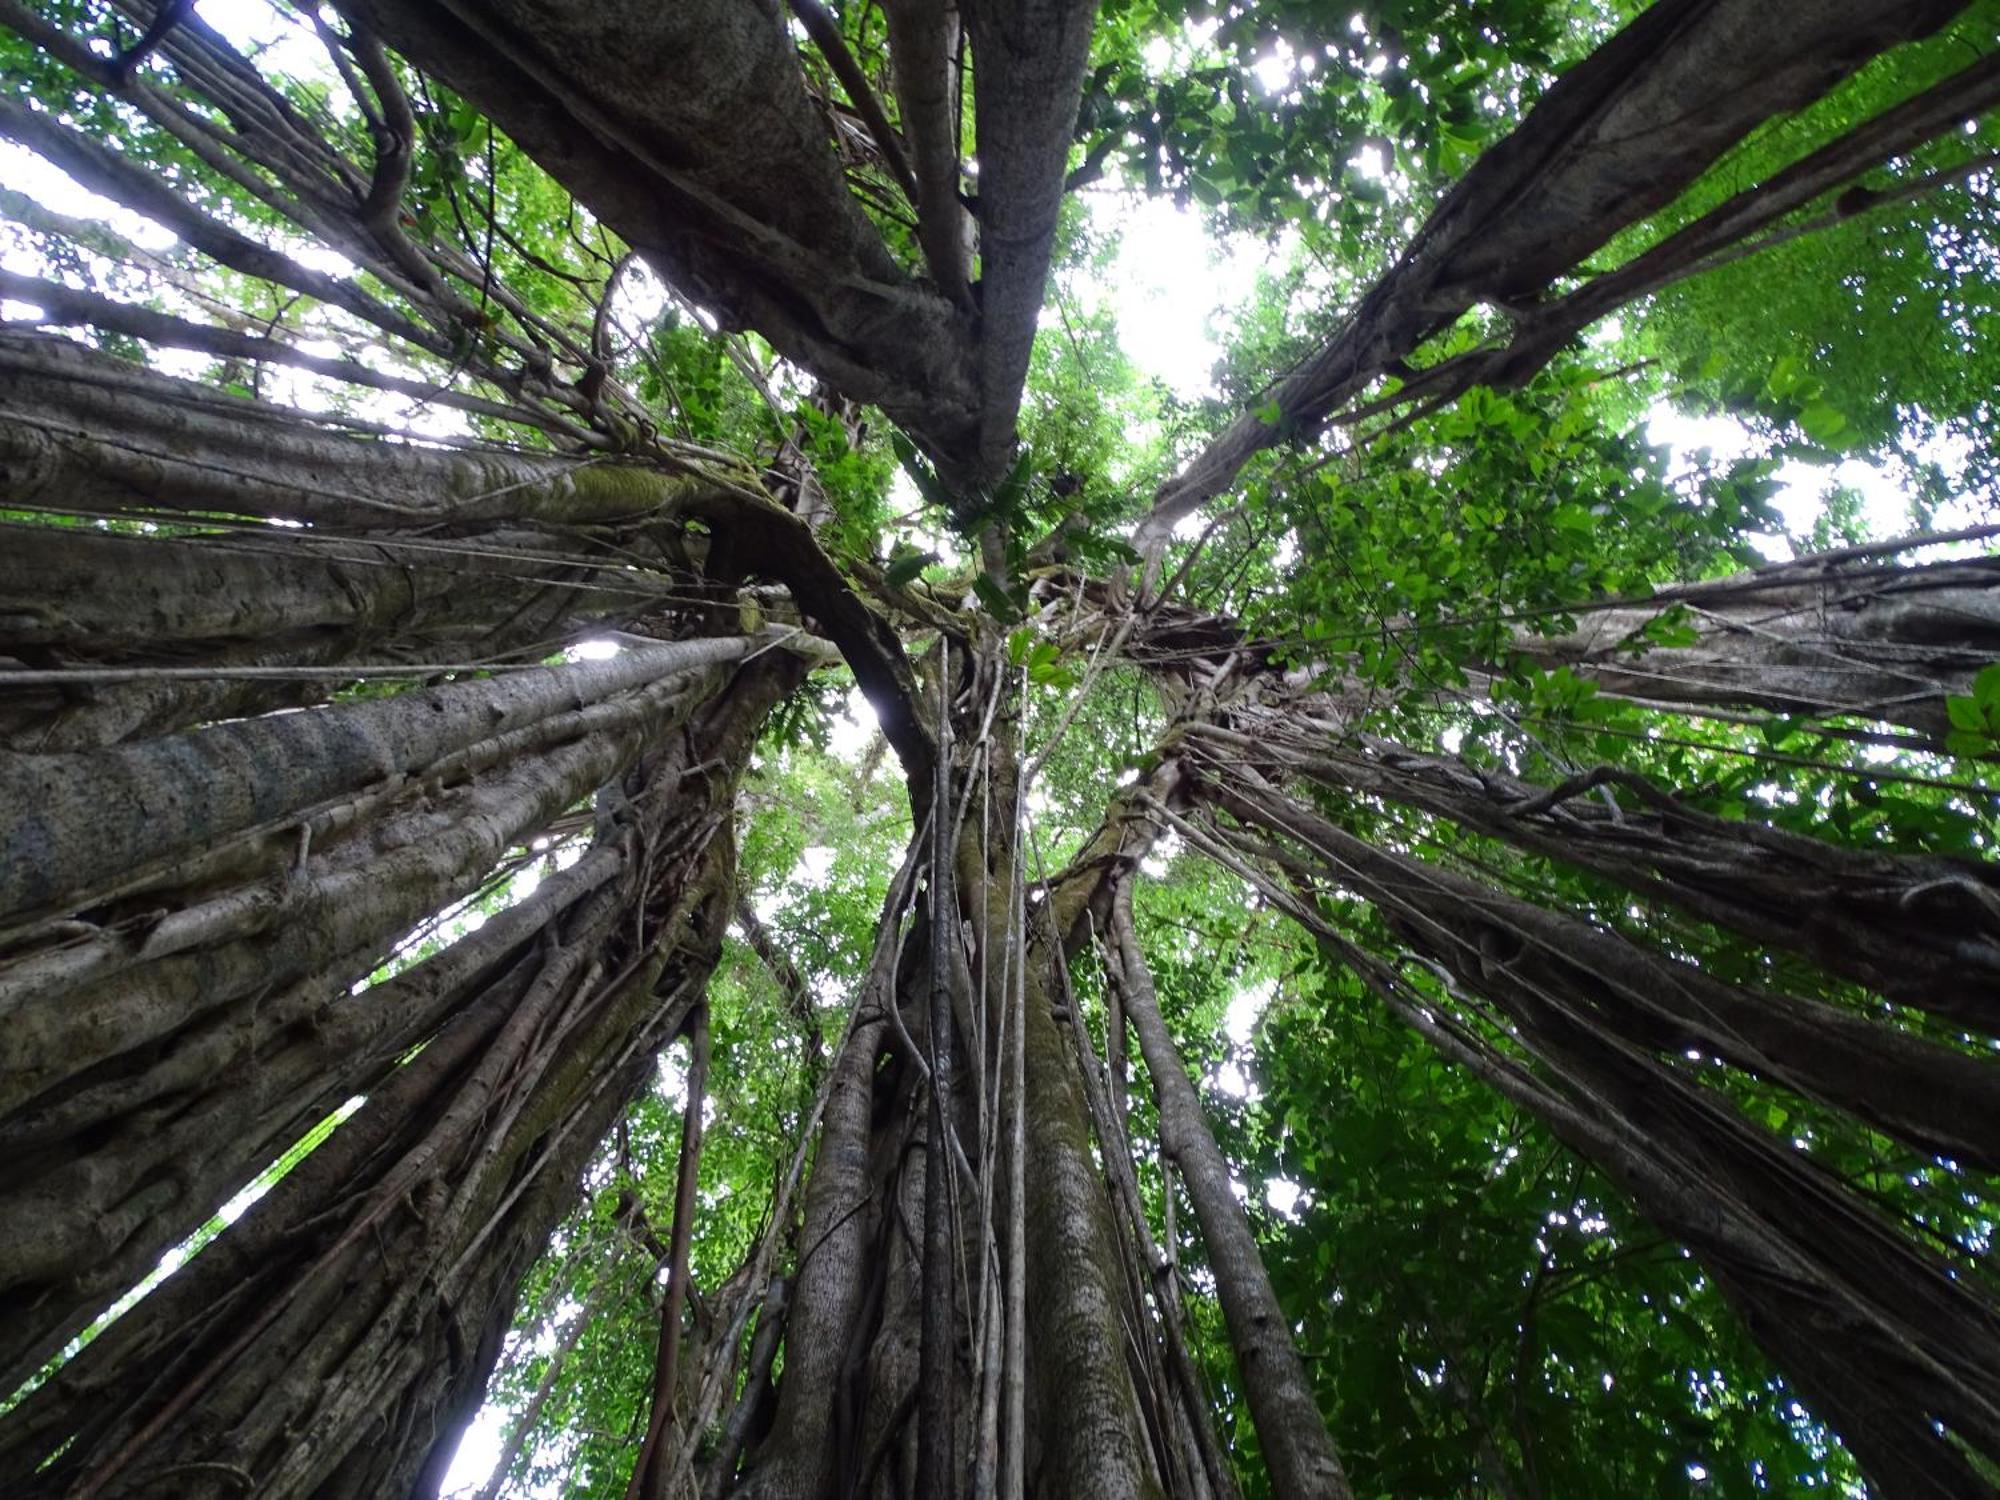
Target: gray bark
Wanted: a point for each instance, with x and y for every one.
(1615, 138)
(1865, 640)
(174, 1018)
(1920, 929)
(82, 431)
(689, 132)
(1829, 1286)
(333, 1353)
(1297, 1450)
(75, 821)
(1940, 1099)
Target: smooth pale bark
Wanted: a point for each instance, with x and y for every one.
(1297, 1450)
(74, 821)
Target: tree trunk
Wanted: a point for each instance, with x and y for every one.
(1826, 1283)
(1289, 1426)
(310, 1352)
(850, 1394)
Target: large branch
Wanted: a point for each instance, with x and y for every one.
(1616, 138)
(1029, 57)
(1920, 928)
(687, 129)
(1747, 222)
(1872, 640)
(1779, 1230)
(72, 438)
(923, 42)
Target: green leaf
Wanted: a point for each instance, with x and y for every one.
(1822, 423)
(1965, 714)
(1986, 689)
(906, 566)
(996, 599)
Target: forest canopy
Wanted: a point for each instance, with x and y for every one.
(870, 748)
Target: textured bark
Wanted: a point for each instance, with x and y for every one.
(472, 592)
(937, 1468)
(76, 821)
(1920, 929)
(797, 1460)
(1738, 227)
(333, 1354)
(183, 447)
(1829, 1286)
(82, 431)
(189, 914)
(689, 132)
(1027, 81)
(924, 38)
(650, 1470)
(137, 1093)
(1293, 1435)
(1941, 1100)
(1615, 138)
(1867, 640)
(853, 1366)
(1089, 1429)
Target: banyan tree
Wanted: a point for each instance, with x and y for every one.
(666, 830)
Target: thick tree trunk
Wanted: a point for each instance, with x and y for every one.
(849, 1405)
(161, 1057)
(329, 1343)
